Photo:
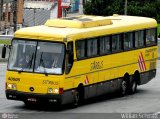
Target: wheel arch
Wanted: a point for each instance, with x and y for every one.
(126, 76)
(137, 76)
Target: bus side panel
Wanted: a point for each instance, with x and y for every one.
(150, 56)
(147, 76)
(92, 79)
(103, 87)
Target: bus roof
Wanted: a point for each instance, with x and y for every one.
(84, 26)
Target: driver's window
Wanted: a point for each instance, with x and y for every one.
(69, 57)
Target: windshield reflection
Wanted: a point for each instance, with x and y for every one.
(40, 57)
(49, 58)
(22, 55)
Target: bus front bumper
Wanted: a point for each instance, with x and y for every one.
(33, 97)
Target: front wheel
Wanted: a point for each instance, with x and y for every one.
(76, 98)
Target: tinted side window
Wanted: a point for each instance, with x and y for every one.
(116, 43)
(105, 45)
(92, 47)
(150, 36)
(139, 39)
(128, 40)
(80, 49)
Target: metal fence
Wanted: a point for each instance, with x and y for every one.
(34, 17)
(6, 37)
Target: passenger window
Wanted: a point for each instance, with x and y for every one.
(80, 49)
(139, 38)
(128, 40)
(92, 46)
(105, 45)
(150, 36)
(116, 43)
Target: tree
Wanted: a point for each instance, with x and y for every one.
(147, 8)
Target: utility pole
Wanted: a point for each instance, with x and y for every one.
(1, 13)
(1, 10)
(15, 15)
(81, 6)
(59, 9)
(125, 7)
(20, 12)
(6, 16)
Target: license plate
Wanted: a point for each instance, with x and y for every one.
(32, 99)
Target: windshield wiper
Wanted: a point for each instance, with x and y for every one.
(43, 65)
(21, 70)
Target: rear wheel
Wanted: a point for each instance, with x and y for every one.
(133, 87)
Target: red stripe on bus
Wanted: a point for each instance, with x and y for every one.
(143, 61)
(139, 64)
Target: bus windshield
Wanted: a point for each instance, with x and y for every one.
(36, 56)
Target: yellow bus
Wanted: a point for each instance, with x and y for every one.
(71, 59)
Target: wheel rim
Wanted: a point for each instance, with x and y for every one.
(124, 87)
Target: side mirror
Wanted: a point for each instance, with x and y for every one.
(4, 51)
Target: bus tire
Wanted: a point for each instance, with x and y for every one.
(133, 87)
(78, 96)
(123, 89)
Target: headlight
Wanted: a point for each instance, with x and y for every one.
(50, 90)
(56, 91)
(14, 86)
(11, 86)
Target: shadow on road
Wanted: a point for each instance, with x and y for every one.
(55, 108)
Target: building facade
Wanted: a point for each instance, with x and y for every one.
(35, 12)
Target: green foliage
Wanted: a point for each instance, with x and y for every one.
(147, 8)
(159, 30)
(5, 42)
